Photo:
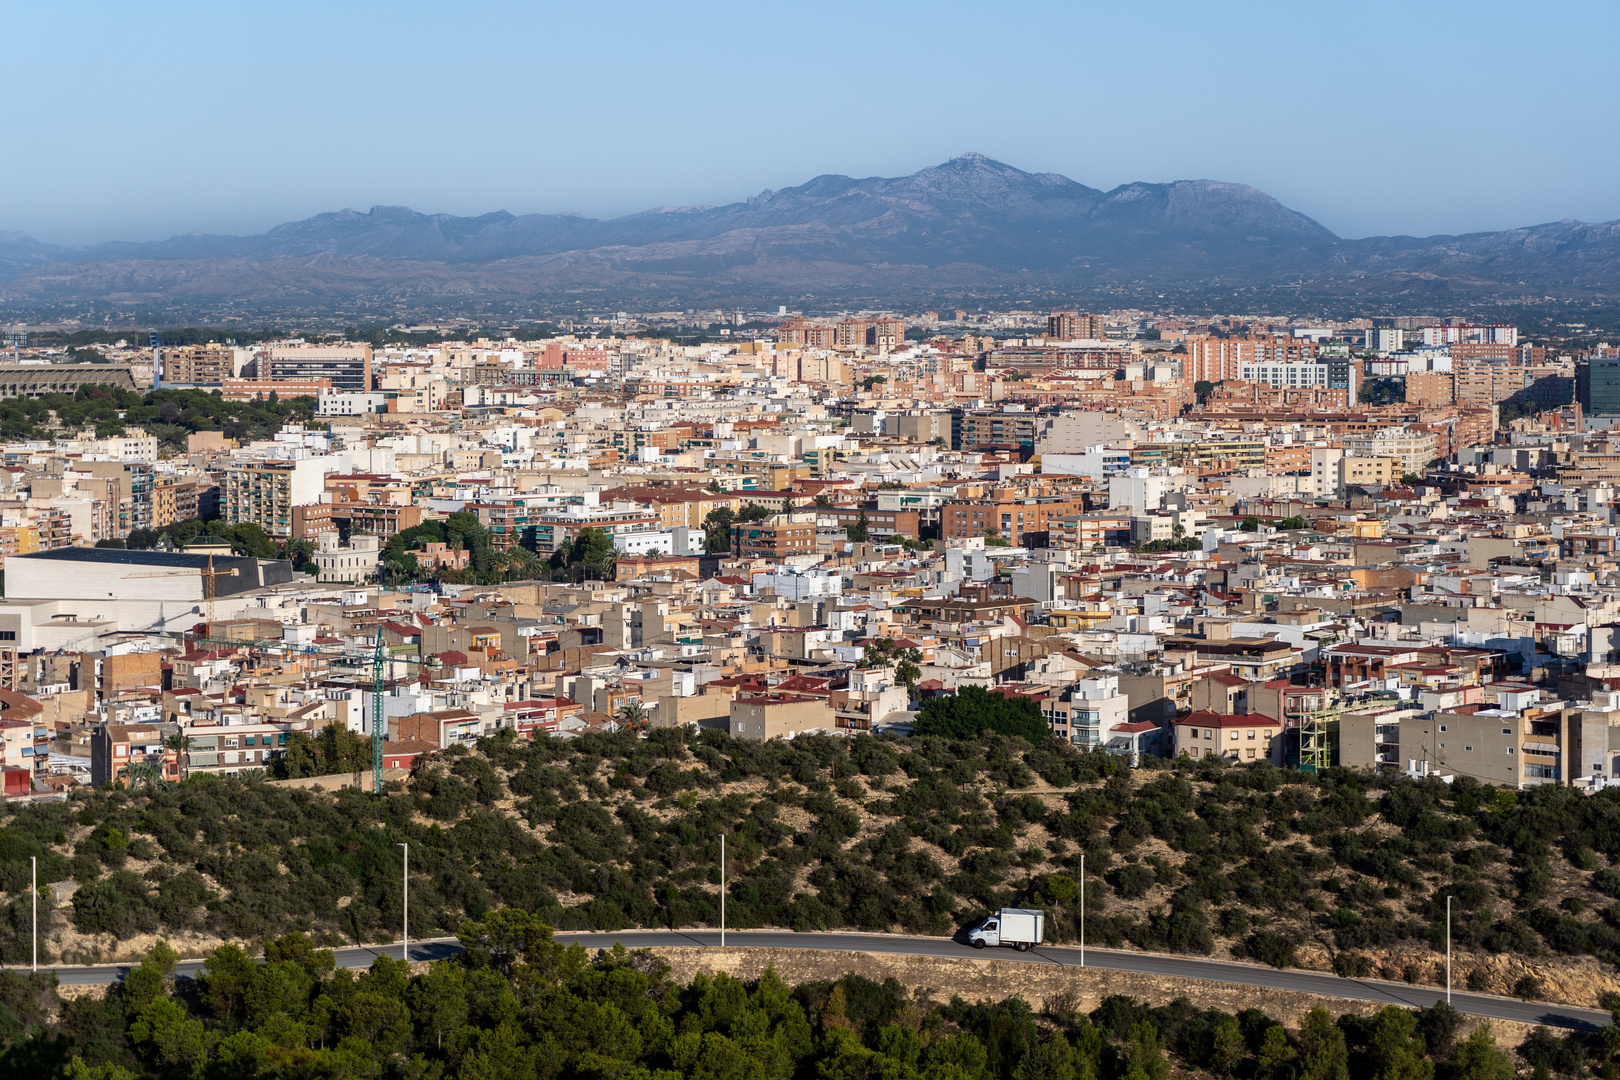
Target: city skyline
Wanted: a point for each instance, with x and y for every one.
(613, 113)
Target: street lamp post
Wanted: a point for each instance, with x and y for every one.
(722, 890)
(405, 924)
(1082, 909)
(33, 896)
(1448, 950)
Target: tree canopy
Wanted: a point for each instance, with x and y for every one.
(973, 711)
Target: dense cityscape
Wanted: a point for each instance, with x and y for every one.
(711, 542)
(974, 596)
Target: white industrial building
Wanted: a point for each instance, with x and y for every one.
(69, 597)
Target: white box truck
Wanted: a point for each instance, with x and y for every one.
(1022, 928)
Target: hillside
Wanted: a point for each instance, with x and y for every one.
(923, 836)
(968, 224)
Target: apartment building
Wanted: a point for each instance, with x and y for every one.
(878, 522)
(676, 507)
(1026, 520)
(264, 493)
(776, 537)
(1000, 429)
(556, 527)
(1075, 326)
(1413, 448)
(344, 367)
(117, 750)
(136, 482)
(264, 389)
(774, 716)
(442, 728)
(208, 364)
(187, 498)
(1239, 738)
(230, 749)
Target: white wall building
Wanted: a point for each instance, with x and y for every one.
(352, 564)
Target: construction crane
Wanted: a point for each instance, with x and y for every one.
(378, 657)
(208, 577)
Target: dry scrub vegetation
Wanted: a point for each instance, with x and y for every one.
(1333, 871)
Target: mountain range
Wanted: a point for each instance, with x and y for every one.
(971, 224)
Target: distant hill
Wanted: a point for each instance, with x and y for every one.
(970, 223)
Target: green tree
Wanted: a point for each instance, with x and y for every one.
(859, 532)
(1227, 1046)
(1202, 389)
(973, 710)
(1323, 1053)
(1477, 1057)
(717, 529)
(907, 672)
(1051, 1059)
(1396, 1049)
(1276, 1058)
(169, 1037)
(1144, 1052)
(591, 556)
(1251, 524)
(222, 987)
(504, 938)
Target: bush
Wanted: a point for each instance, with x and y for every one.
(1270, 948)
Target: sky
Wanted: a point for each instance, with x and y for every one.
(142, 120)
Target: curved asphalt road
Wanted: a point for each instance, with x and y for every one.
(1183, 967)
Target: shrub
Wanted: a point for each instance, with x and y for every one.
(1270, 948)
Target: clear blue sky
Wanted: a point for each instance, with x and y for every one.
(139, 120)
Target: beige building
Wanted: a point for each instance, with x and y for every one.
(776, 716)
(1368, 472)
(1239, 738)
(1412, 449)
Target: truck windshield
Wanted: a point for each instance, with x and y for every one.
(989, 926)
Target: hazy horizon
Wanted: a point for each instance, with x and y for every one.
(143, 123)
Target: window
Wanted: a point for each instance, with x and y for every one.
(1234, 736)
(1251, 751)
(1251, 736)
(1507, 731)
(1510, 751)
(8, 635)
(1442, 727)
(1468, 749)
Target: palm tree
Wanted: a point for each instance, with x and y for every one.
(633, 715)
(180, 744)
(145, 770)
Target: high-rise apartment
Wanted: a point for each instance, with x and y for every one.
(1075, 326)
(348, 367)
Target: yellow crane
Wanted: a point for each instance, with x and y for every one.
(208, 577)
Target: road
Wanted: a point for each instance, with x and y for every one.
(1184, 967)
